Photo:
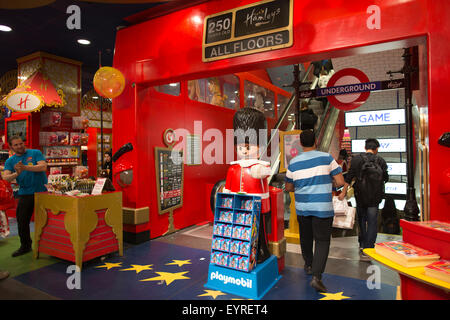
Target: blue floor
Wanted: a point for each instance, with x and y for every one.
(175, 272)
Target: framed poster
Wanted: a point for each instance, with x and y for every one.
(290, 147)
(169, 179)
(16, 128)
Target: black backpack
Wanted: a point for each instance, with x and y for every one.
(370, 182)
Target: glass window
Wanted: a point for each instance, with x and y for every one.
(220, 91)
(172, 88)
(282, 102)
(259, 98)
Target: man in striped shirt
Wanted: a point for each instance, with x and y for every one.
(310, 175)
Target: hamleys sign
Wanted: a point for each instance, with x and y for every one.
(24, 102)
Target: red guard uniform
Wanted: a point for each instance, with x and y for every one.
(239, 179)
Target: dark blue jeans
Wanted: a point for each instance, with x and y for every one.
(368, 226)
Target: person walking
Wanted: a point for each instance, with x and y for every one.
(370, 173)
(28, 167)
(310, 175)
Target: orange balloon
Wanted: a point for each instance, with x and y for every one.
(109, 82)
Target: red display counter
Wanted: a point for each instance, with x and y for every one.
(78, 229)
(414, 283)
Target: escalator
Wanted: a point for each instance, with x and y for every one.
(324, 134)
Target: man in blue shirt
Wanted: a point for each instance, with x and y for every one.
(28, 167)
(310, 175)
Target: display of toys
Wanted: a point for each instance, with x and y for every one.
(80, 122)
(63, 138)
(227, 202)
(216, 244)
(214, 257)
(244, 248)
(243, 263)
(234, 246)
(84, 139)
(233, 261)
(227, 230)
(234, 242)
(226, 216)
(55, 170)
(225, 245)
(50, 119)
(75, 139)
(240, 218)
(237, 232)
(248, 219)
(48, 139)
(222, 259)
(218, 229)
(246, 233)
(247, 205)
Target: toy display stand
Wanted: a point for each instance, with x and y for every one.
(233, 266)
(414, 284)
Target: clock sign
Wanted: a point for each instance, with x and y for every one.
(169, 137)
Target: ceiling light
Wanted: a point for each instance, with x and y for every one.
(5, 28)
(94, 97)
(197, 19)
(83, 41)
(173, 84)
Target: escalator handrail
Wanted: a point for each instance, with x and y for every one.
(284, 113)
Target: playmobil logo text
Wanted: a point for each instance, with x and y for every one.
(246, 283)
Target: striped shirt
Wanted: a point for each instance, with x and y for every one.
(312, 175)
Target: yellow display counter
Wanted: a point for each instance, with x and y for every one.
(78, 229)
(415, 284)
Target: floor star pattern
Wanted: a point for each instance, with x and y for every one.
(334, 296)
(168, 277)
(179, 262)
(212, 293)
(109, 265)
(138, 268)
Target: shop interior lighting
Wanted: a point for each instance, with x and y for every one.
(5, 28)
(83, 41)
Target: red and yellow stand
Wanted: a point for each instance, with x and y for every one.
(414, 284)
(78, 229)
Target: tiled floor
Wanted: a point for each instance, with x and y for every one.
(176, 267)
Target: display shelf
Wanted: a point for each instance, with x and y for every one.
(416, 273)
(235, 231)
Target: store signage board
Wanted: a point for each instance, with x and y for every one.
(395, 188)
(169, 178)
(349, 88)
(386, 145)
(396, 169)
(61, 152)
(375, 118)
(24, 102)
(261, 26)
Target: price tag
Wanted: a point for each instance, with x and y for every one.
(98, 187)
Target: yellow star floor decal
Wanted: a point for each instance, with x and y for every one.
(212, 293)
(138, 268)
(168, 277)
(179, 262)
(108, 265)
(334, 296)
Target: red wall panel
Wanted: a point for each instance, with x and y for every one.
(335, 28)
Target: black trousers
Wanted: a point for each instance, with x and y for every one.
(317, 231)
(25, 208)
(265, 227)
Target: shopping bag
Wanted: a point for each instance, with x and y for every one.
(4, 224)
(340, 206)
(345, 221)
